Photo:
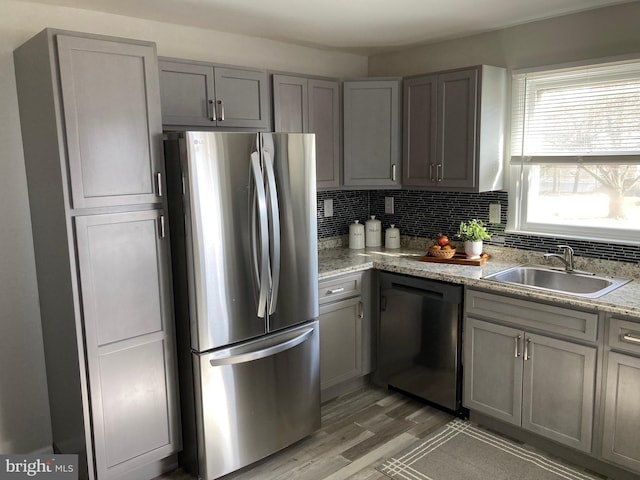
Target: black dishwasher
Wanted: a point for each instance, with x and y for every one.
(419, 339)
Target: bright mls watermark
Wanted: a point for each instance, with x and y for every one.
(50, 467)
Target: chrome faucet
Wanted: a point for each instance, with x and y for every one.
(566, 257)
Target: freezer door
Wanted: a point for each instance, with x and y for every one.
(290, 185)
(225, 232)
(256, 398)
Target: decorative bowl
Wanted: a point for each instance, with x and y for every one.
(442, 253)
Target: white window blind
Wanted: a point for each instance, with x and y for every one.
(578, 115)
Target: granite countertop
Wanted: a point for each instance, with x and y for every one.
(623, 301)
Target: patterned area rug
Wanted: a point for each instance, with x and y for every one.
(463, 451)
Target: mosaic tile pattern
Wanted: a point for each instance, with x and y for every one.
(425, 214)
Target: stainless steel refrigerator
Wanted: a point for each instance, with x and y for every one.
(242, 212)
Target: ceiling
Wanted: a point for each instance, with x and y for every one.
(358, 26)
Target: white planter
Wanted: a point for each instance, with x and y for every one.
(473, 250)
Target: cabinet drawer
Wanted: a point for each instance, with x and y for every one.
(533, 315)
(624, 335)
(345, 286)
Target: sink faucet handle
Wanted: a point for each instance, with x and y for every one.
(568, 257)
(565, 248)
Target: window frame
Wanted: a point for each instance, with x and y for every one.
(519, 169)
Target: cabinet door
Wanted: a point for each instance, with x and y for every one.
(290, 104)
(125, 290)
(621, 438)
(187, 94)
(340, 342)
(371, 133)
(493, 370)
(111, 106)
(558, 390)
(242, 98)
(456, 144)
(420, 129)
(324, 121)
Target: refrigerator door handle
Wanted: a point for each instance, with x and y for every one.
(274, 230)
(260, 257)
(227, 357)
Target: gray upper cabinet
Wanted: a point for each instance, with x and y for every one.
(92, 134)
(290, 104)
(311, 106)
(110, 103)
(201, 94)
(453, 130)
(372, 148)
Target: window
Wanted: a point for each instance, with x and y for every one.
(575, 144)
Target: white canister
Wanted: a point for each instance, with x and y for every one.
(373, 232)
(356, 235)
(392, 237)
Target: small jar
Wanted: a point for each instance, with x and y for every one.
(392, 237)
(356, 235)
(373, 232)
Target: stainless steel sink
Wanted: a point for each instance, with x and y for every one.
(552, 280)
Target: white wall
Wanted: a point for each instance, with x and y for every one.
(24, 413)
(597, 33)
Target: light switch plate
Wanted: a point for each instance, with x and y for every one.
(328, 207)
(494, 213)
(388, 205)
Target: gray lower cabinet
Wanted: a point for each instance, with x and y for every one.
(202, 94)
(92, 133)
(308, 105)
(453, 129)
(343, 334)
(126, 299)
(543, 384)
(621, 435)
(371, 129)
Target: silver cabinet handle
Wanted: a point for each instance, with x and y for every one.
(438, 170)
(221, 103)
(517, 345)
(361, 310)
(159, 192)
(627, 337)
(527, 349)
(161, 227)
(335, 290)
(393, 172)
(212, 111)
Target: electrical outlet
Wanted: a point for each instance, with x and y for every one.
(494, 213)
(388, 205)
(328, 207)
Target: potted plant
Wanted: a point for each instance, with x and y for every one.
(472, 233)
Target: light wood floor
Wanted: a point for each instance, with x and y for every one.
(359, 431)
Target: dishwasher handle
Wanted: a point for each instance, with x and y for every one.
(419, 291)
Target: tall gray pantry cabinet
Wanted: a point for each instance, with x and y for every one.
(91, 127)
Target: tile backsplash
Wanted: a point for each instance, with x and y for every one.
(425, 214)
